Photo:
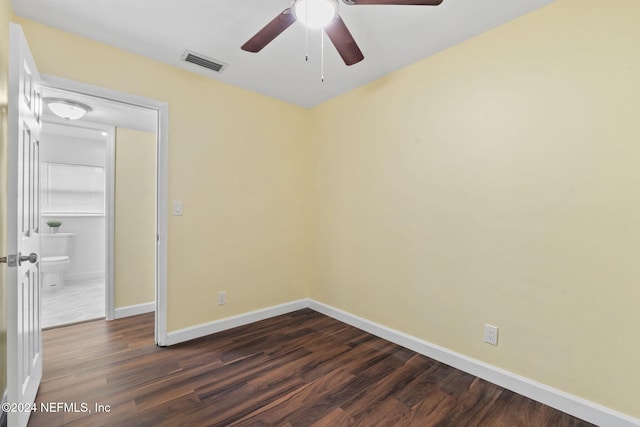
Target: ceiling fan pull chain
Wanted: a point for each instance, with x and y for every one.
(306, 45)
(306, 33)
(322, 55)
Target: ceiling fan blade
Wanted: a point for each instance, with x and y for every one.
(270, 31)
(396, 2)
(343, 41)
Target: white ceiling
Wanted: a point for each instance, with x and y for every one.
(390, 37)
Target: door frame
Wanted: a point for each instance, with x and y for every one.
(162, 145)
(110, 226)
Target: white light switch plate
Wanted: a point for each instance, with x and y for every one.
(177, 208)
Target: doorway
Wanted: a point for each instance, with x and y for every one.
(73, 219)
(130, 120)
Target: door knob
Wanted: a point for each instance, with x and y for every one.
(32, 258)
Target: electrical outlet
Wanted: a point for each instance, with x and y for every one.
(222, 297)
(490, 334)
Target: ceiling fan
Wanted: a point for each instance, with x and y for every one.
(322, 14)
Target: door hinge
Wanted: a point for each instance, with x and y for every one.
(11, 260)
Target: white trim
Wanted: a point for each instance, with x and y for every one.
(565, 402)
(134, 310)
(205, 329)
(89, 276)
(162, 182)
(71, 215)
(110, 226)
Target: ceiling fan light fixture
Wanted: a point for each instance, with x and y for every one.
(315, 13)
(67, 109)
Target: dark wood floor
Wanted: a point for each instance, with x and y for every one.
(298, 370)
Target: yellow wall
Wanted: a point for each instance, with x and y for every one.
(6, 14)
(242, 175)
(497, 182)
(135, 210)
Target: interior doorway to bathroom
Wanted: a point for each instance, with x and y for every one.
(73, 160)
(99, 196)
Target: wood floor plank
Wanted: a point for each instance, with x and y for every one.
(297, 370)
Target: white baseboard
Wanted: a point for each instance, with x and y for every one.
(134, 310)
(91, 276)
(565, 402)
(205, 329)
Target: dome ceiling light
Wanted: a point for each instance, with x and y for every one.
(67, 109)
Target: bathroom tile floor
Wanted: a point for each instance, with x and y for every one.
(73, 303)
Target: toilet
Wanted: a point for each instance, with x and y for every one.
(55, 258)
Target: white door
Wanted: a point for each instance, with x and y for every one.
(24, 340)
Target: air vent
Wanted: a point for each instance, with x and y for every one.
(203, 61)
